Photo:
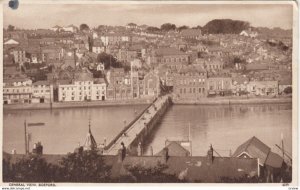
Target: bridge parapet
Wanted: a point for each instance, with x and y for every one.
(138, 129)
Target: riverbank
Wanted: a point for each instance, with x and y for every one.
(58, 105)
(228, 101)
(203, 101)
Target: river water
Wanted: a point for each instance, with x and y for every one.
(225, 127)
(65, 128)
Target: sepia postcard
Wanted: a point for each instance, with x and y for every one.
(110, 92)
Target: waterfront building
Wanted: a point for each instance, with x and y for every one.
(190, 83)
(17, 90)
(285, 82)
(119, 84)
(150, 85)
(42, 92)
(219, 84)
(263, 88)
(82, 88)
(239, 85)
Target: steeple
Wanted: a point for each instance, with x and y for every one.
(90, 142)
(90, 126)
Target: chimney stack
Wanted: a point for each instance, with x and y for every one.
(165, 154)
(37, 148)
(121, 153)
(210, 155)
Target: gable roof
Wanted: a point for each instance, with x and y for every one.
(11, 41)
(191, 168)
(274, 160)
(168, 51)
(174, 149)
(196, 168)
(255, 148)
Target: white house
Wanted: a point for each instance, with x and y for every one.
(250, 34)
(17, 90)
(11, 42)
(70, 28)
(42, 92)
(88, 90)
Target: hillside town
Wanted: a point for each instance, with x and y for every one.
(137, 62)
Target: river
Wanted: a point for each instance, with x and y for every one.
(225, 127)
(65, 128)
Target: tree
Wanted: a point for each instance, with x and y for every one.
(8, 174)
(10, 28)
(152, 29)
(86, 166)
(101, 27)
(197, 27)
(32, 169)
(182, 28)
(167, 27)
(84, 27)
(288, 90)
(156, 174)
(132, 24)
(108, 60)
(225, 26)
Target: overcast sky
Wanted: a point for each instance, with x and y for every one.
(47, 16)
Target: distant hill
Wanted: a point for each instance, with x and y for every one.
(274, 32)
(225, 26)
(228, 26)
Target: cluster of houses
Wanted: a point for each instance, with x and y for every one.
(252, 162)
(61, 64)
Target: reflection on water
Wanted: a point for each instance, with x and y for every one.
(65, 128)
(225, 127)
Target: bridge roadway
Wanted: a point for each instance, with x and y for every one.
(136, 128)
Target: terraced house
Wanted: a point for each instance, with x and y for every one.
(174, 58)
(17, 90)
(190, 83)
(82, 88)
